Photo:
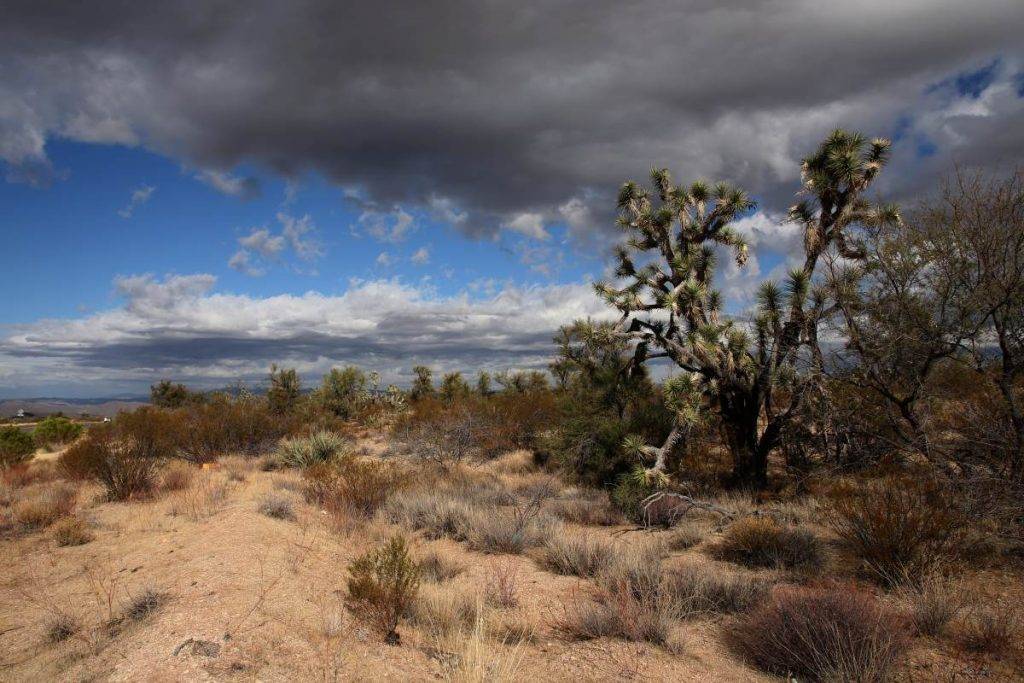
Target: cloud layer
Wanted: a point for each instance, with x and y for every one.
(178, 327)
(508, 114)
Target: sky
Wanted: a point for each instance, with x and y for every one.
(196, 190)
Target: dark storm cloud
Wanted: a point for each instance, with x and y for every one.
(495, 109)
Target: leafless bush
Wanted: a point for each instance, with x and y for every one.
(898, 528)
(60, 626)
(44, 507)
(934, 602)
(502, 588)
(824, 634)
(144, 603)
(701, 591)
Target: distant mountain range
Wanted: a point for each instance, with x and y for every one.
(102, 407)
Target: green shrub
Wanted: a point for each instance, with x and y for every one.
(383, 584)
(343, 391)
(56, 431)
(16, 445)
(763, 542)
(628, 493)
(304, 451)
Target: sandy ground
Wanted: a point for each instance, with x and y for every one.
(267, 595)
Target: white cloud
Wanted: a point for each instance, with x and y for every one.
(384, 259)
(139, 196)
(529, 224)
(421, 256)
(261, 246)
(390, 226)
(180, 328)
(231, 185)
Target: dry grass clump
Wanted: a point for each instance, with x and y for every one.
(145, 603)
(992, 630)
(472, 658)
(351, 485)
(508, 531)
(438, 567)
(683, 538)
(615, 612)
(443, 612)
(27, 473)
(43, 508)
(763, 542)
(60, 626)
(576, 554)
(71, 531)
(898, 528)
(695, 591)
(277, 507)
(176, 476)
(587, 511)
(438, 514)
(933, 603)
(382, 586)
(821, 634)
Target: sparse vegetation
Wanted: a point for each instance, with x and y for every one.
(576, 555)
(383, 584)
(277, 506)
(69, 531)
(316, 449)
(16, 446)
(44, 507)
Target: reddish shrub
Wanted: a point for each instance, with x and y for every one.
(835, 633)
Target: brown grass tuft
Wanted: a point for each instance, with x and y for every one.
(71, 531)
(45, 507)
(763, 542)
(576, 554)
(176, 476)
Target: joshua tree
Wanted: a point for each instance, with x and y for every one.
(671, 310)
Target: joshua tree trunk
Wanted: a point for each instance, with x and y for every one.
(749, 457)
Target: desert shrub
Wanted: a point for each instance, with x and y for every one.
(638, 570)
(352, 485)
(56, 431)
(507, 531)
(304, 451)
(45, 507)
(343, 392)
(26, 473)
(438, 514)
(278, 507)
(502, 587)
(168, 394)
(383, 584)
(898, 528)
(576, 555)
(763, 542)
(993, 630)
(176, 476)
(438, 567)
(60, 626)
(16, 445)
(591, 510)
(822, 634)
(124, 467)
(244, 425)
(692, 590)
(153, 433)
(284, 391)
(71, 531)
(144, 603)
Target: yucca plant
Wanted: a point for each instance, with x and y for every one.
(303, 451)
(669, 308)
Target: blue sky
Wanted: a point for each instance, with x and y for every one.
(68, 242)
(186, 195)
